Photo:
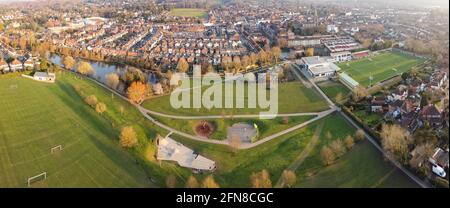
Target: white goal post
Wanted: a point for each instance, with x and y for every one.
(56, 148)
(38, 177)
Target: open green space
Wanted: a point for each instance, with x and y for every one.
(235, 168)
(381, 67)
(266, 127)
(333, 88)
(36, 117)
(188, 12)
(293, 97)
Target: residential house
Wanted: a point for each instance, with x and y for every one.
(431, 115)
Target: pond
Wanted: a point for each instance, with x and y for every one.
(101, 69)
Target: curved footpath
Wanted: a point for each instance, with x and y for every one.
(320, 115)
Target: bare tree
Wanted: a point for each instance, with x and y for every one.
(327, 155)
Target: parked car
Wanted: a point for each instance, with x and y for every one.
(439, 171)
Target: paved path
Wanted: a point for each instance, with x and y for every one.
(144, 112)
(227, 116)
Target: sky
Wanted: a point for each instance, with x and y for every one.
(424, 3)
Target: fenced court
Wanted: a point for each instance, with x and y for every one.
(385, 65)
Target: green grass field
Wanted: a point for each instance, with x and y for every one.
(187, 12)
(293, 97)
(381, 67)
(363, 165)
(333, 88)
(266, 127)
(36, 117)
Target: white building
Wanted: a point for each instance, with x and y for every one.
(341, 56)
(332, 29)
(171, 150)
(44, 77)
(318, 67)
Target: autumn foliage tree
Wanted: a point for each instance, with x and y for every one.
(183, 65)
(349, 142)
(91, 100)
(289, 178)
(100, 108)
(261, 179)
(337, 146)
(360, 135)
(128, 137)
(137, 92)
(327, 155)
(309, 52)
(209, 182)
(68, 62)
(395, 140)
(192, 182)
(85, 68)
(112, 80)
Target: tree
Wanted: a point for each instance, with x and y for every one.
(276, 53)
(289, 178)
(137, 92)
(337, 146)
(91, 100)
(395, 140)
(421, 155)
(112, 80)
(360, 135)
(327, 155)
(261, 179)
(349, 142)
(183, 65)
(309, 52)
(358, 93)
(171, 181)
(263, 57)
(192, 182)
(128, 137)
(85, 68)
(100, 108)
(209, 182)
(68, 62)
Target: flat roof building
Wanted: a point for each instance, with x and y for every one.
(318, 67)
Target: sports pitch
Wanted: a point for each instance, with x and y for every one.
(188, 12)
(35, 117)
(381, 67)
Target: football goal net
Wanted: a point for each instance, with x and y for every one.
(37, 178)
(56, 149)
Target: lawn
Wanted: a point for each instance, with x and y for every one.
(333, 88)
(266, 127)
(234, 169)
(293, 97)
(36, 117)
(188, 12)
(381, 67)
